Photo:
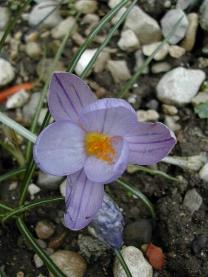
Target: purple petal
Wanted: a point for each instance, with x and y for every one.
(153, 142)
(59, 149)
(111, 116)
(101, 171)
(108, 223)
(68, 94)
(83, 200)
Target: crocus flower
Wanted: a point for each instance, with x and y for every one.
(108, 223)
(92, 142)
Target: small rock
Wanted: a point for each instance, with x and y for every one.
(202, 97)
(204, 15)
(6, 72)
(33, 50)
(203, 62)
(160, 67)
(149, 115)
(138, 232)
(119, 70)
(44, 229)
(86, 6)
(136, 263)
(169, 109)
(144, 26)
(64, 27)
(37, 260)
(190, 38)
(152, 104)
(91, 247)
(33, 189)
(171, 122)
(41, 10)
(4, 17)
(43, 68)
(203, 173)
(179, 85)
(30, 108)
(199, 243)
(192, 200)
(176, 51)
(84, 60)
(150, 48)
(168, 23)
(91, 20)
(71, 263)
(17, 100)
(128, 41)
(132, 99)
(62, 188)
(47, 181)
(113, 3)
(57, 241)
(186, 4)
(101, 61)
(139, 61)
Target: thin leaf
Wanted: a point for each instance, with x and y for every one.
(122, 262)
(11, 174)
(138, 194)
(142, 68)
(39, 251)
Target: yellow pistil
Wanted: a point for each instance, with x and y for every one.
(100, 146)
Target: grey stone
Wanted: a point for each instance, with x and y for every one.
(41, 10)
(138, 232)
(144, 26)
(136, 263)
(7, 73)
(168, 23)
(119, 70)
(192, 200)
(44, 229)
(17, 100)
(33, 50)
(179, 85)
(139, 61)
(204, 15)
(176, 51)
(86, 6)
(48, 182)
(128, 41)
(203, 173)
(187, 4)
(91, 248)
(30, 108)
(160, 67)
(149, 49)
(4, 17)
(71, 263)
(64, 27)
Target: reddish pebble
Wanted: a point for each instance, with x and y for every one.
(155, 256)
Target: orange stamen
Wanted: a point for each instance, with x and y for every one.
(100, 146)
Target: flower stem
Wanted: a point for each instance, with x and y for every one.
(43, 256)
(122, 262)
(140, 195)
(30, 206)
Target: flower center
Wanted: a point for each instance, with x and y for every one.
(100, 146)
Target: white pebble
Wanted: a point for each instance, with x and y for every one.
(203, 173)
(33, 189)
(149, 49)
(17, 100)
(84, 60)
(149, 115)
(128, 41)
(64, 27)
(119, 70)
(6, 72)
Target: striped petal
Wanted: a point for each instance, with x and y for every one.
(152, 143)
(68, 95)
(83, 200)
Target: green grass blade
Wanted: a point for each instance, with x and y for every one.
(139, 194)
(122, 262)
(106, 41)
(30, 206)
(11, 174)
(17, 127)
(142, 68)
(91, 36)
(12, 22)
(43, 256)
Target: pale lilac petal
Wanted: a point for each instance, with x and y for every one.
(68, 94)
(111, 116)
(59, 149)
(101, 171)
(83, 200)
(153, 142)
